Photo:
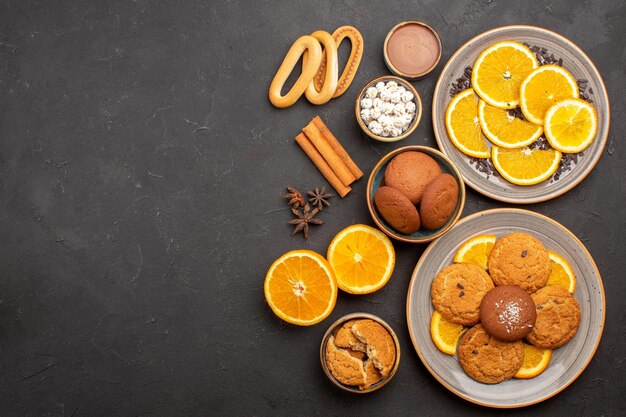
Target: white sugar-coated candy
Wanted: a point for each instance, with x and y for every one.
(410, 107)
(391, 84)
(388, 108)
(378, 103)
(366, 115)
(399, 109)
(384, 95)
(380, 85)
(407, 119)
(371, 92)
(407, 96)
(396, 131)
(400, 89)
(398, 122)
(366, 103)
(385, 121)
(375, 113)
(375, 127)
(395, 97)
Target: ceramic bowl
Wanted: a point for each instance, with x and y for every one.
(335, 326)
(418, 108)
(376, 180)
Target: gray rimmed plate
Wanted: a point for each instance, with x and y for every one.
(567, 362)
(574, 60)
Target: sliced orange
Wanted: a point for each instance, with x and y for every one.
(536, 361)
(476, 250)
(362, 258)
(504, 129)
(571, 125)
(300, 287)
(562, 273)
(445, 334)
(543, 88)
(463, 127)
(499, 71)
(525, 166)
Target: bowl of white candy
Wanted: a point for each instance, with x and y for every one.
(388, 109)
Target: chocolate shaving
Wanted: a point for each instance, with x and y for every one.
(460, 286)
(524, 253)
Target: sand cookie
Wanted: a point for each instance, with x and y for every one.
(372, 374)
(520, 259)
(487, 359)
(381, 349)
(457, 291)
(508, 313)
(558, 317)
(410, 172)
(397, 210)
(346, 339)
(439, 201)
(344, 367)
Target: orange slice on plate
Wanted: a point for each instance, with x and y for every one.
(562, 273)
(463, 126)
(525, 166)
(476, 250)
(445, 334)
(499, 71)
(300, 287)
(536, 361)
(362, 258)
(571, 125)
(543, 88)
(505, 130)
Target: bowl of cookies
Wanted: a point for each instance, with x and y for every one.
(415, 194)
(388, 109)
(360, 353)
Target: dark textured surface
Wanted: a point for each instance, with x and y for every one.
(141, 169)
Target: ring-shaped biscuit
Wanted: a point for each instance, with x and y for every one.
(352, 65)
(312, 47)
(329, 84)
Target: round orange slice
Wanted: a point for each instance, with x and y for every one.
(463, 126)
(562, 273)
(475, 250)
(571, 125)
(300, 287)
(445, 334)
(505, 130)
(543, 88)
(499, 71)
(536, 361)
(362, 258)
(525, 166)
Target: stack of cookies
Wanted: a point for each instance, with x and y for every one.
(504, 305)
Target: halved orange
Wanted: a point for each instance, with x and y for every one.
(536, 361)
(525, 166)
(505, 130)
(562, 273)
(463, 127)
(445, 334)
(571, 125)
(499, 71)
(543, 88)
(475, 250)
(362, 258)
(300, 287)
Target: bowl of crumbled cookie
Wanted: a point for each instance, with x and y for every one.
(388, 109)
(360, 353)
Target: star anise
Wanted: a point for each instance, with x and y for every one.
(319, 197)
(295, 198)
(303, 218)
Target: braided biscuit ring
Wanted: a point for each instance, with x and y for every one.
(356, 53)
(302, 44)
(329, 85)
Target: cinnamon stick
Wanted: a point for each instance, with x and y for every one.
(333, 160)
(322, 165)
(337, 147)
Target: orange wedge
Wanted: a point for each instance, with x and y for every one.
(362, 258)
(463, 126)
(525, 166)
(505, 130)
(476, 250)
(562, 273)
(499, 71)
(571, 125)
(536, 361)
(445, 334)
(543, 88)
(300, 288)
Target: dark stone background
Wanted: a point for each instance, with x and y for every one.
(141, 170)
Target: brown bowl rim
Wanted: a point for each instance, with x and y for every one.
(406, 238)
(414, 123)
(399, 73)
(340, 321)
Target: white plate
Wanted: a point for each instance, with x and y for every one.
(567, 362)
